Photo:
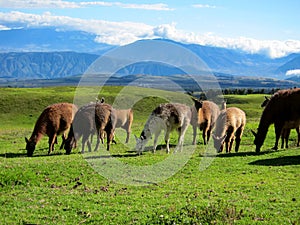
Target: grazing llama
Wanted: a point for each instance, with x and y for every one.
(55, 119)
(286, 130)
(206, 119)
(281, 109)
(230, 125)
(90, 119)
(167, 117)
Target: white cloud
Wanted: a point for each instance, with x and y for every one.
(70, 4)
(204, 6)
(4, 27)
(295, 72)
(121, 33)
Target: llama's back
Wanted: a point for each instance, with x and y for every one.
(283, 105)
(173, 114)
(103, 114)
(209, 112)
(55, 118)
(84, 120)
(124, 116)
(232, 117)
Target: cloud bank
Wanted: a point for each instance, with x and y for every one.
(122, 33)
(71, 4)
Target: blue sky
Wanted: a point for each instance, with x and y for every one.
(254, 26)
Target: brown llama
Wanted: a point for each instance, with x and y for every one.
(124, 119)
(286, 130)
(92, 118)
(167, 117)
(206, 119)
(230, 125)
(283, 106)
(55, 119)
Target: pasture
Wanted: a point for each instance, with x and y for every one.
(236, 188)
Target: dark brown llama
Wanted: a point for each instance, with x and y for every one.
(92, 118)
(286, 130)
(283, 106)
(55, 119)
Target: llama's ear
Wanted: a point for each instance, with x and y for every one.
(267, 98)
(254, 133)
(26, 140)
(198, 103)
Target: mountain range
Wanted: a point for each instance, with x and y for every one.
(51, 54)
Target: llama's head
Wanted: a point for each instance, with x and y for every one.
(258, 140)
(30, 146)
(219, 143)
(141, 142)
(70, 143)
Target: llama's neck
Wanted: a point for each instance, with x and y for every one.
(153, 126)
(36, 137)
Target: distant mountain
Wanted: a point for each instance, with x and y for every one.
(51, 53)
(293, 64)
(46, 65)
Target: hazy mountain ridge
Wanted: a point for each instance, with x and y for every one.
(46, 65)
(50, 54)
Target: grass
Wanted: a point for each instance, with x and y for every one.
(236, 188)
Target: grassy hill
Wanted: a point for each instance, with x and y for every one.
(241, 188)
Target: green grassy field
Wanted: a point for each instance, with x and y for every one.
(235, 188)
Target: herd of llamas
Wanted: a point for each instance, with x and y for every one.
(225, 125)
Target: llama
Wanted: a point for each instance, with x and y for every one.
(55, 119)
(283, 106)
(167, 117)
(206, 119)
(90, 119)
(285, 133)
(124, 119)
(230, 125)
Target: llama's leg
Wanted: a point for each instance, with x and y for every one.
(229, 139)
(231, 143)
(278, 131)
(238, 139)
(98, 141)
(282, 138)
(51, 141)
(64, 138)
(181, 133)
(227, 146)
(298, 132)
(110, 136)
(85, 140)
(167, 140)
(208, 134)
(286, 136)
(194, 134)
(128, 131)
(156, 135)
